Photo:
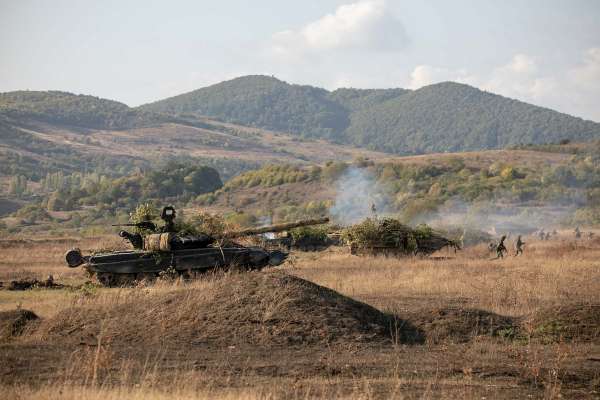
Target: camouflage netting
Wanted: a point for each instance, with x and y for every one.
(313, 233)
(388, 235)
(307, 236)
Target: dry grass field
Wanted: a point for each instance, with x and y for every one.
(449, 326)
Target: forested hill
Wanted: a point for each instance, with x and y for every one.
(456, 117)
(441, 117)
(64, 108)
(263, 102)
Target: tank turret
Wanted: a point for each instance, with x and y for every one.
(160, 250)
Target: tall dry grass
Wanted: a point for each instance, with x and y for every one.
(37, 259)
(277, 388)
(550, 272)
(561, 271)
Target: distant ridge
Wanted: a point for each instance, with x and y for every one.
(442, 117)
(84, 111)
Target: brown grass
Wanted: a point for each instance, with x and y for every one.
(550, 274)
(36, 259)
(266, 309)
(553, 272)
(40, 257)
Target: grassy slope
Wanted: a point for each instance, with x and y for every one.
(76, 110)
(65, 147)
(259, 198)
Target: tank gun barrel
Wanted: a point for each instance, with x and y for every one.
(142, 225)
(275, 228)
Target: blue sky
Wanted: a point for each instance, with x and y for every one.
(543, 52)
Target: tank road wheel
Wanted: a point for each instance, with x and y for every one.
(115, 280)
(187, 275)
(238, 267)
(123, 280)
(145, 278)
(105, 279)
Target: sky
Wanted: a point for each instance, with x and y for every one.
(545, 52)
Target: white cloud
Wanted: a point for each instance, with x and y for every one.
(363, 25)
(519, 78)
(587, 75)
(521, 64)
(575, 91)
(424, 75)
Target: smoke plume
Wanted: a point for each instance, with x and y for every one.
(358, 196)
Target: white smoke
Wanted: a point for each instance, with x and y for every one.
(358, 196)
(266, 220)
(498, 217)
(357, 191)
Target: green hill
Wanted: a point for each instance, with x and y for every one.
(455, 117)
(74, 110)
(437, 118)
(262, 102)
(360, 99)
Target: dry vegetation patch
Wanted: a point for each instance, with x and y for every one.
(24, 258)
(550, 273)
(277, 334)
(458, 325)
(252, 308)
(13, 323)
(571, 322)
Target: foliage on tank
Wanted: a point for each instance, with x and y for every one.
(316, 233)
(390, 233)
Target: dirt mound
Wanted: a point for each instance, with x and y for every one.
(13, 323)
(458, 325)
(266, 308)
(571, 323)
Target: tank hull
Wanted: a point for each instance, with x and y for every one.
(122, 268)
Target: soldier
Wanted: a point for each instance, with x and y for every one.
(461, 240)
(501, 248)
(547, 236)
(374, 210)
(577, 233)
(542, 234)
(590, 235)
(519, 245)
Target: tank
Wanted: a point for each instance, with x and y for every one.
(164, 251)
(389, 237)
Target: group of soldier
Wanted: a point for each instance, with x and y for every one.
(546, 235)
(501, 250)
(578, 234)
